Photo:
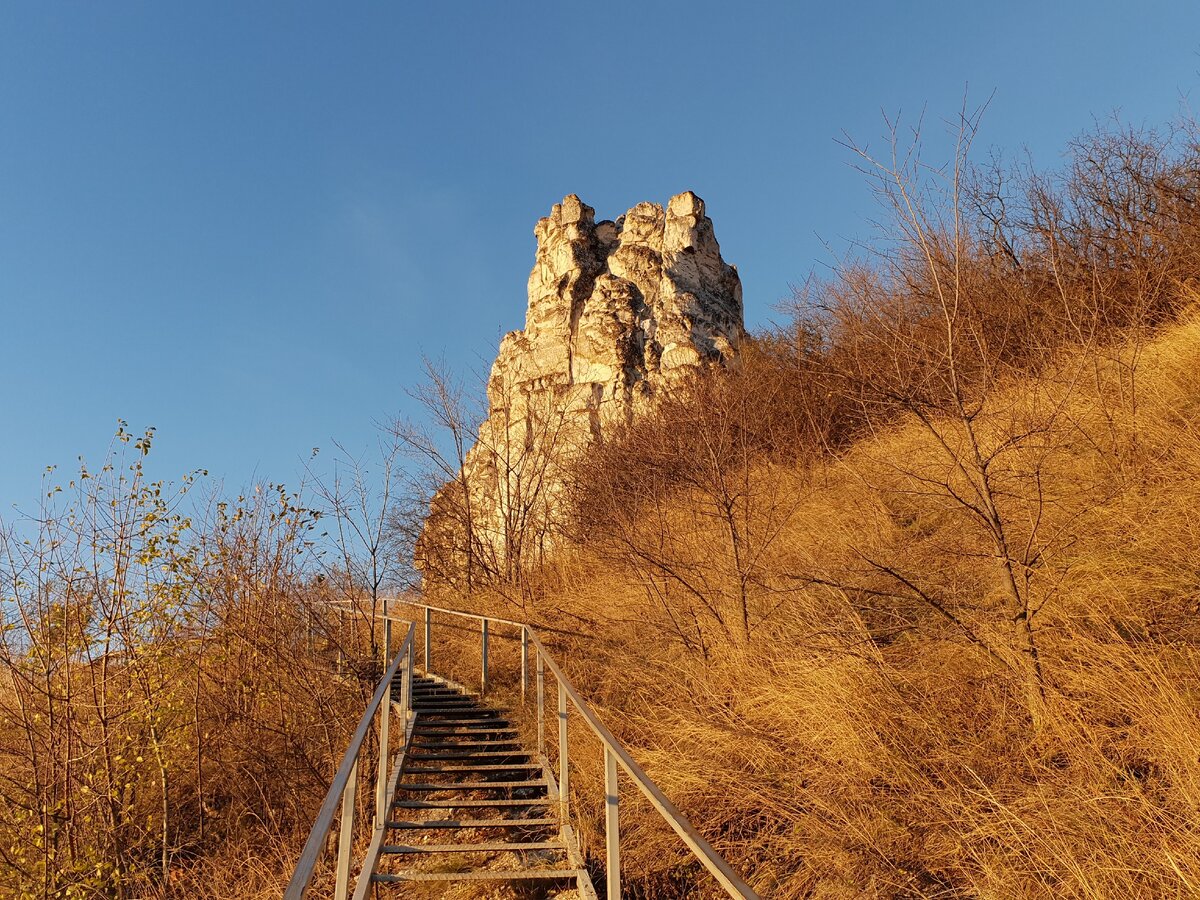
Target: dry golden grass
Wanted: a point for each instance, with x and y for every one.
(859, 745)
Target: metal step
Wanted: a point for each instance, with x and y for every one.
(468, 740)
(434, 824)
(452, 770)
(451, 705)
(484, 875)
(474, 754)
(459, 700)
(463, 745)
(471, 785)
(490, 847)
(447, 701)
(462, 740)
(463, 804)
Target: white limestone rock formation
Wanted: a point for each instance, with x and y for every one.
(619, 312)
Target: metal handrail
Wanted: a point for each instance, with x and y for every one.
(614, 754)
(343, 788)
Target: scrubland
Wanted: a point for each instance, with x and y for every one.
(174, 691)
(905, 606)
(855, 742)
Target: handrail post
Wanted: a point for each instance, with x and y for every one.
(483, 666)
(612, 824)
(524, 663)
(346, 835)
(564, 770)
(428, 632)
(541, 702)
(385, 712)
(408, 691)
(387, 635)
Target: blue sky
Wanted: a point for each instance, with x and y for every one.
(243, 223)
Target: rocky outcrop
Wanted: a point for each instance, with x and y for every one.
(619, 311)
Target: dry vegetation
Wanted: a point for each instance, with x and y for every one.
(859, 742)
(173, 697)
(906, 606)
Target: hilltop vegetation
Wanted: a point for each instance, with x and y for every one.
(904, 606)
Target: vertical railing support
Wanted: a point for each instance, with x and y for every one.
(387, 638)
(541, 702)
(483, 665)
(346, 836)
(428, 633)
(408, 691)
(564, 757)
(381, 776)
(612, 824)
(524, 663)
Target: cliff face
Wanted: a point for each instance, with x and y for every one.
(618, 313)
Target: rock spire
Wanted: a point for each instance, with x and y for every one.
(619, 312)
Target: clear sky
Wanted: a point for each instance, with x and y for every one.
(243, 223)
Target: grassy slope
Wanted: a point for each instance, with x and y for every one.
(859, 746)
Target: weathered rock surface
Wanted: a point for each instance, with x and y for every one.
(618, 313)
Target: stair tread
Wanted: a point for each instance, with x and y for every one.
(476, 754)
(466, 746)
(464, 803)
(451, 770)
(445, 698)
(434, 824)
(471, 785)
(488, 847)
(483, 875)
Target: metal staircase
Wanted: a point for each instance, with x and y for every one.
(460, 799)
(471, 804)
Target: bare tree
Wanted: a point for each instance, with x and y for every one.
(359, 500)
(490, 482)
(933, 335)
(714, 447)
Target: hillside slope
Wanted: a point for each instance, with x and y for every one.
(855, 741)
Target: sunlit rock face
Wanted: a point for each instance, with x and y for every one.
(619, 312)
